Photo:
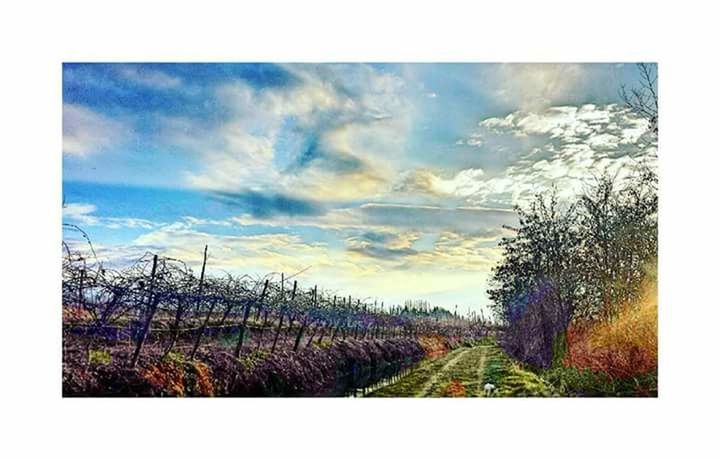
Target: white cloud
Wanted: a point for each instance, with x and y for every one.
(86, 131)
(84, 214)
(465, 183)
(317, 139)
(399, 218)
(257, 253)
(563, 146)
(245, 162)
(80, 212)
(536, 86)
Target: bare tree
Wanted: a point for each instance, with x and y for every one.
(643, 99)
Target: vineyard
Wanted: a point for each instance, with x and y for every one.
(567, 262)
(575, 295)
(157, 328)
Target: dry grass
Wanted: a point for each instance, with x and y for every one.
(434, 346)
(623, 347)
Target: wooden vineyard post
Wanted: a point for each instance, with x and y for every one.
(291, 320)
(249, 305)
(335, 331)
(327, 324)
(299, 336)
(304, 323)
(203, 327)
(346, 324)
(262, 328)
(258, 311)
(282, 311)
(81, 293)
(178, 313)
(320, 325)
(152, 303)
(202, 275)
(314, 333)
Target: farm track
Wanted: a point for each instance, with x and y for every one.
(464, 367)
(425, 390)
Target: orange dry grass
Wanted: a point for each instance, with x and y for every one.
(455, 389)
(434, 346)
(167, 377)
(203, 383)
(623, 347)
(176, 379)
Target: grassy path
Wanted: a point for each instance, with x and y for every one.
(434, 378)
(459, 373)
(464, 372)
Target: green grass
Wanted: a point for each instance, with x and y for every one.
(523, 383)
(511, 379)
(574, 382)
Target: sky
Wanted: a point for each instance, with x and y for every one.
(386, 181)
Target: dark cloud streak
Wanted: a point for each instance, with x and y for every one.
(265, 205)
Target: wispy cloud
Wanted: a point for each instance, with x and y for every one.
(86, 131)
(84, 214)
(149, 77)
(392, 180)
(332, 132)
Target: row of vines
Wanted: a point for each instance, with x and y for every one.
(158, 321)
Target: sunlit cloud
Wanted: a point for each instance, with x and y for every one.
(394, 181)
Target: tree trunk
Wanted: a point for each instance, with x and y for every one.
(282, 313)
(180, 311)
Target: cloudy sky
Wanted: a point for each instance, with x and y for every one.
(384, 180)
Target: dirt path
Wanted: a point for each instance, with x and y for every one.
(425, 390)
(464, 368)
